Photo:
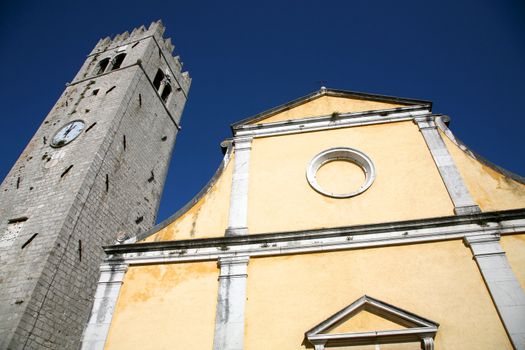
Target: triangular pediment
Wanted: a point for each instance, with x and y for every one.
(371, 321)
(329, 101)
(363, 321)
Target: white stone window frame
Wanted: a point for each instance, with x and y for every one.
(348, 154)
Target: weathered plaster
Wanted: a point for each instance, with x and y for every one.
(489, 188)
(407, 184)
(307, 287)
(166, 306)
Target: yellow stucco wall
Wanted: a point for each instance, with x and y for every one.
(407, 186)
(326, 105)
(363, 321)
(207, 218)
(170, 306)
(514, 247)
(490, 189)
(286, 296)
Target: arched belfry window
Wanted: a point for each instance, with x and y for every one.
(117, 61)
(159, 77)
(166, 92)
(102, 65)
(161, 83)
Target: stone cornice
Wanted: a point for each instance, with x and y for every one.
(325, 122)
(340, 238)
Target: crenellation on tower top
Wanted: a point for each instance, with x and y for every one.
(127, 41)
(157, 28)
(186, 77)
(138, 31)
(169, 45)
(178, 62)
(121, 37)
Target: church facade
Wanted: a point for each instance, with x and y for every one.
(339, 220)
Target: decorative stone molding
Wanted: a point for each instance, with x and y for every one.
(418, 329)
(229, 320)
(327, 122)
(321, 240)
(457, 190)
(504, 288)
(427, 344)
(106, 295)
(341, 154)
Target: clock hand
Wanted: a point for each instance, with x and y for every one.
(69, 129)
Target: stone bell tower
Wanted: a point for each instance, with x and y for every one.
(95, 167)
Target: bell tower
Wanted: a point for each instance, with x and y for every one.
(95, 167)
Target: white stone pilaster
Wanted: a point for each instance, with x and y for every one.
(238, 217)
(319, 346)
(229, 319)
(506, 292)
(108, 288)
(457, 190)
(427, 343)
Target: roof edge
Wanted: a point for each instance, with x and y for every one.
(441, 122)
(330, 92)
(163, 224)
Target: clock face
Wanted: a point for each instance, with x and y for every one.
(68, 133)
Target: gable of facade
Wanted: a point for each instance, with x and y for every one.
(406, 172)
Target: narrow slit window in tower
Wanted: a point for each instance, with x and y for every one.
(159, 77)
(117, 61)
(166, 92)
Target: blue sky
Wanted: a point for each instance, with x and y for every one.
(468, 57)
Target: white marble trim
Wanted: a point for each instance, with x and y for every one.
(459, 194)
(106, 295)
(238, 215)
(504, 288)
(341, 241)
(342, 120)
(231, 302)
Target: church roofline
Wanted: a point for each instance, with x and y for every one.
(228, 151)
(442, 122)
(335, 93)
